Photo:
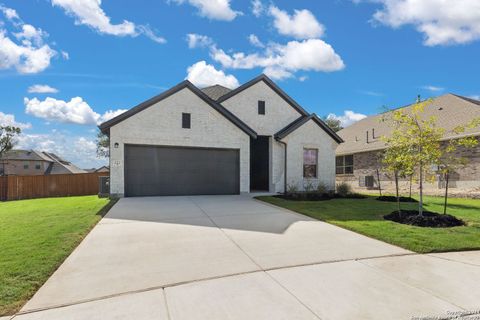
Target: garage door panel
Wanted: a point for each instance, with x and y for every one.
(154, 170)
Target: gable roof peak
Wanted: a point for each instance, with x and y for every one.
(105, 126)
(272, 85)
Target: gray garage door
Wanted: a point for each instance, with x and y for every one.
(159, 171)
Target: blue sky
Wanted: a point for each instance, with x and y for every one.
(66, 66)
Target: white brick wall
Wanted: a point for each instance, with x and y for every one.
(278, 114)
(310, 135)
(160, 124)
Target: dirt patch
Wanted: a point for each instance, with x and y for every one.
(428, 219)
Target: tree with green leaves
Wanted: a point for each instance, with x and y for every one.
(451, 159)
(414, 142)
(394, 162)
(7, 138)
(103, 145)
(333, 123)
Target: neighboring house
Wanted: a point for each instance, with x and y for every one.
(101, 169)
(358, 158)
(32, 162)
(215, 140)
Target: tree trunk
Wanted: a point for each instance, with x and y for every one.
(446, 192)
(379, 186)
(420, 187)
(411, 178)
(396, 190)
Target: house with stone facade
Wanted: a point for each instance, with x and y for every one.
(214, 140)
(358, 158)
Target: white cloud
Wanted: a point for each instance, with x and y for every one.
(90, 13)
(198, 41)
(303, 78)
(110, 114)
(301, 25)
(257, 8)
(80, 150)
(254, 41)
(41, 88)
(348, 117)
(148, 32)
(31, 34)
(281, 61)
(371, 93)
(9, 13)
(29, 53)
(65, 55)
(202, 74)
(433, 88)
(213, 9)
(74, 111)
(442, 22)
(9, 120)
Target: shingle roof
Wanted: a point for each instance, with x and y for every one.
(30, 155)
(301, 121)
(57, 164)
(216, 91)
(104, 127)
(449, 110)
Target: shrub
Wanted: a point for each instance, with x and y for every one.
(308, 186)
(343, 189)
(292, 188)
(322, 188)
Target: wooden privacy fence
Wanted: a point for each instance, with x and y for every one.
(57, 185)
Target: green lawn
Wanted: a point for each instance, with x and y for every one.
(365, 216)
(35, 237)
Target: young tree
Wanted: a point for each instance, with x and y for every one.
(450, 159)
(7, 138)
(334, 124)
(394, 162)
(415, 141)
(103, 145)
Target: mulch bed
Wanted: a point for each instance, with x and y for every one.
(428, 219)
(315, 196)
(304, 196)
(394, 199)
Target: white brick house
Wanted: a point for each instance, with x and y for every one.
(215, 140)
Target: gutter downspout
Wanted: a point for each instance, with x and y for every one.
(285, 166)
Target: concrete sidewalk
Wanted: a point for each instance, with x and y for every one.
(232, 257)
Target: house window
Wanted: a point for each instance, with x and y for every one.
(310, 163)
(186, 120)
(344, 164)
(38, 166)
(261, 107)
(25, 165)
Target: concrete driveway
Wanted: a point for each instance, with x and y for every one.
(232, 257)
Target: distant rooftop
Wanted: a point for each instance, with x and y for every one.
(450, 111)
(57, 164)
(216, 91)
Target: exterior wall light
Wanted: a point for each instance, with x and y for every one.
(115, 145)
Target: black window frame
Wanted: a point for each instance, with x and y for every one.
(305, 169)
(342, 166)
(186, 120)
(26, 165)
(38, 166)
(261, 107)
